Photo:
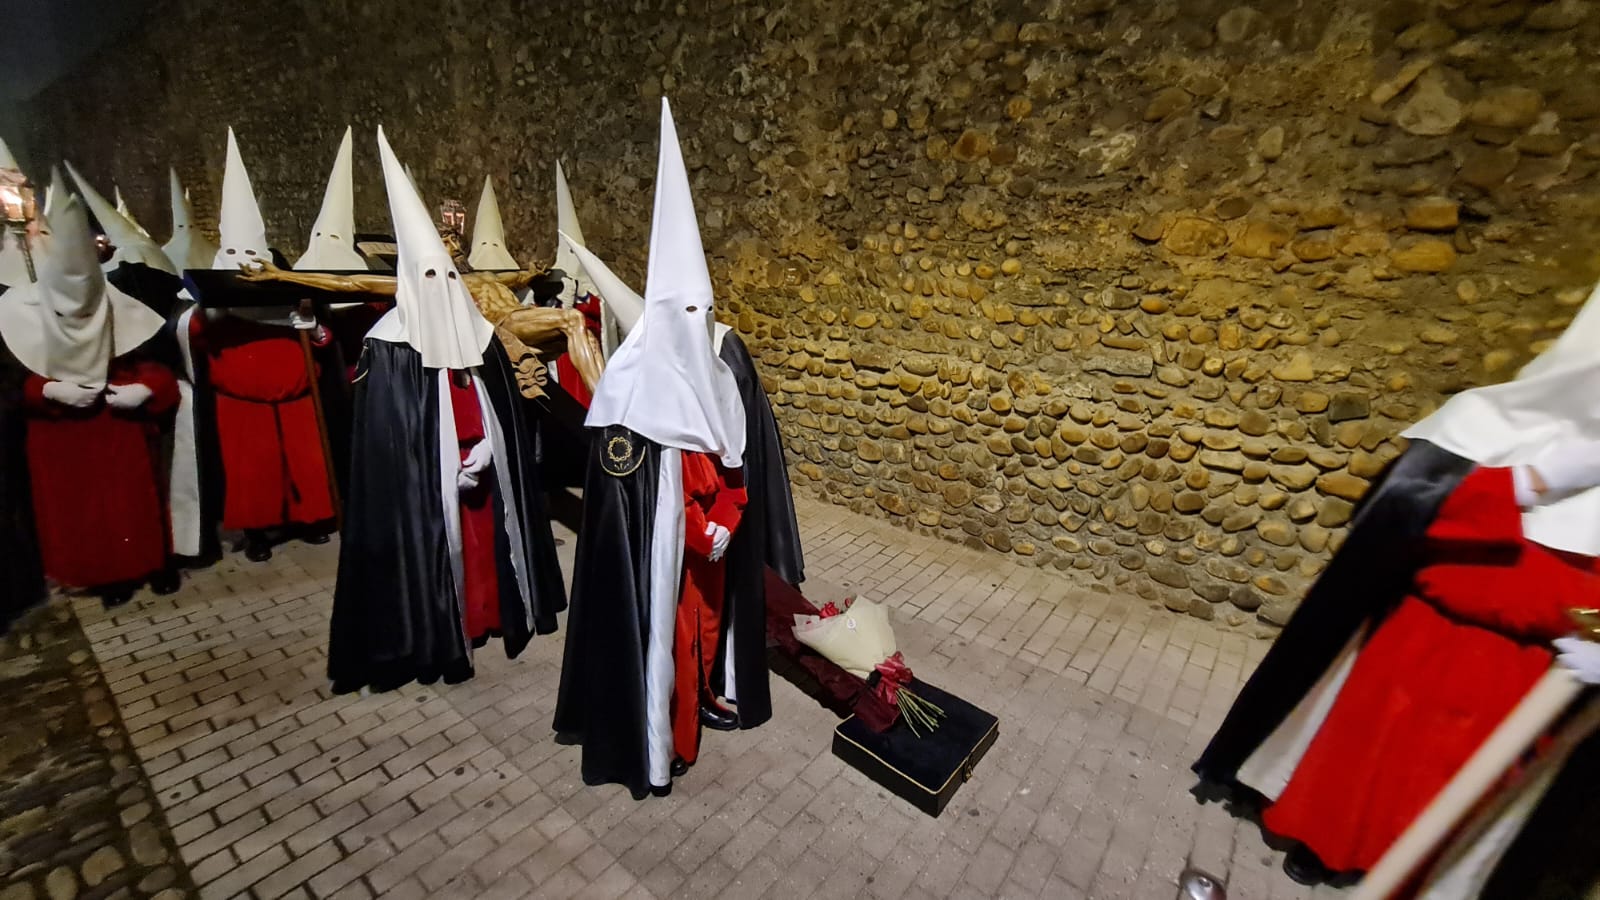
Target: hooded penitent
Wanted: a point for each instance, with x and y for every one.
(434, 312)
(769, 536)
(188, 248)
(438, 551)
(70, 324)
(244, 232)
(332, 246)
(489, 234)
(575, 280)
(132, 245)
(122, 207)
(95, 411)
(665, 392)
(1427, 625)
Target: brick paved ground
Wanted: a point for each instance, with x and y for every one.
(274, 788)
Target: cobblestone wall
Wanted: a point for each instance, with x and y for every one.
(1145, 289)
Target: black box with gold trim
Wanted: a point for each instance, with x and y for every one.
(924, 770)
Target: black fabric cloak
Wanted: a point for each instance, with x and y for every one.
(396, 617)
(601, 703)
(1366, 579)
(768, 536)
(22, 583)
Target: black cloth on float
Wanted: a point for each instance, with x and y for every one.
(1365, 580)
(153, 287)
(396, 616)
(21, 572)
(768, 536)
(601, 703)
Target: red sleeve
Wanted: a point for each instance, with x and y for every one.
(197, 332)
(731, 500)
(321, 336)
(33, 394)
(1481, 510)
(159, 379)
(1528, 599)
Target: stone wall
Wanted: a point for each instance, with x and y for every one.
(1143, 289)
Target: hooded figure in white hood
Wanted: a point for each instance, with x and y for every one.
(1435, 617)
(446, 539)
(662, 501)
(188, 248)
(489, 234)
(275, 474)
(96, 407)
(333, 244)
(578, 292)
(769, 536)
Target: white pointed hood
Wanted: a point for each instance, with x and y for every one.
(131, 245)
(333, 245)
(623, 301)
(665, 381)
(575, 281)
(7, 159)
(122, 207)
(433, 311)
(244, 232)
(489, 234)
(71, 323)
(57, 187)
(188, 248)
(1549, 403)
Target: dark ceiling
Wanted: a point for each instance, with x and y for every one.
(42, 40)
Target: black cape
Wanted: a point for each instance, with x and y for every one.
(1366, 579)
(21, 571)
(601, 703)
(395, 614)
(768, 536)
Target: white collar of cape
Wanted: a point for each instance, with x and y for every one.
(1549, 403)
(665, 382)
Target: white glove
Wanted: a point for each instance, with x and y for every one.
(479, 458)
(1580, 657)
(75, 395)
(1569, 468)
(303, 323)
(127, 396)
(720, 538)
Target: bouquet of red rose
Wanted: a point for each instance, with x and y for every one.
(860, 640)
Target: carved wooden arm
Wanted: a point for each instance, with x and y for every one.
(383, 285)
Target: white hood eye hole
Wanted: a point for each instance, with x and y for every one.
(452, 276)
(249, 253)
(431, 273)
(693, 309)
(232, 251)
(334, 236)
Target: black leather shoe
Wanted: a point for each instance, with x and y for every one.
(315, 538)
(716, 718)
(1303, 867)
(257, 548)
(118, 597)
(165, 582)
(679, 767)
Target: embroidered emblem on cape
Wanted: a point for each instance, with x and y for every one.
(621, 450)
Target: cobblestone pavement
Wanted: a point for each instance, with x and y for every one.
(76, 815)
(275, 788)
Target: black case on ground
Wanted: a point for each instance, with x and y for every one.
(925, 771)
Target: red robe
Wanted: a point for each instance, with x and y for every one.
(1436, 677)
(272, 463)
(98, 495)
(567, 373)
(711, 493)
(480, 575)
